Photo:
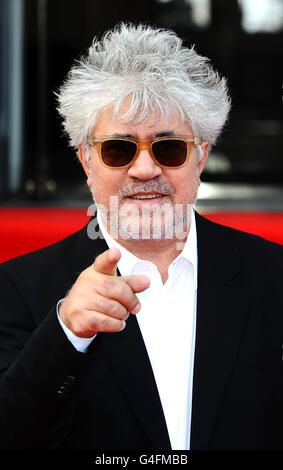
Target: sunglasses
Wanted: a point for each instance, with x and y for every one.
(167, 152)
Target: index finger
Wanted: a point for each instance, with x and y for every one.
(106, 263)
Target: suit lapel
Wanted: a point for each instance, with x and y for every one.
(221, 309)
(127, 357)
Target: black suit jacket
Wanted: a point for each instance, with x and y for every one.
(53, 397)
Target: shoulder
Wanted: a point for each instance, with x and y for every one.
(50, 254)
(249, 247)
(208, 228)
(40, 278)
(43, 274)
(48, 273)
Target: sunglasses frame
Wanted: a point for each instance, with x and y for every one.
(144, 144)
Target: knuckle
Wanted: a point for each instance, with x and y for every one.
(95, 324)
(126, 315)
(85, 274)
(114, 309)
(121, 290)
(77, 331)
(133, 301)
(113, 288)
(106, 306)
(78, 328)
(101, 304)
(106, 283)
(103, 324)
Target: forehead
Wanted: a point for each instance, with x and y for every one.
(110, 123)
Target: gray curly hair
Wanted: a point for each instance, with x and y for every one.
(153, 67)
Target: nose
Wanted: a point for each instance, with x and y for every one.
(144, 167)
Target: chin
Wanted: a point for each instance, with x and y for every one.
(153, 228)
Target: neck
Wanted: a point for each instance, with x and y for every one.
(160, 252)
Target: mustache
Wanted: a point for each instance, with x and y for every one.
(146, 187)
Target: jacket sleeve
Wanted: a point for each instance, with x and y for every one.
(40, 372)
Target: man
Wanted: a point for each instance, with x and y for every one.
(162, 330)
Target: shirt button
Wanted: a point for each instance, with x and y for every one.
(71, 380)
(61, 394)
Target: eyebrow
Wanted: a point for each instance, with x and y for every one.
(166, 134)
(123, 136)
(159, 134)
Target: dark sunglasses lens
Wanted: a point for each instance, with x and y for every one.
(116, 153)
(171, 152)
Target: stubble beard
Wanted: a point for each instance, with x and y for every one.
(161, 221)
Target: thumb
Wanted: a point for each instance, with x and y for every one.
(106, 263)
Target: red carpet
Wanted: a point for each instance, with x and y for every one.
(27, 229)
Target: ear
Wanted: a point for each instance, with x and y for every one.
(82, 154)
(201, 163)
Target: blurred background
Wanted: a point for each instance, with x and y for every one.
(43, 195)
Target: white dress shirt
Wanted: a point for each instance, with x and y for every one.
(167, 322)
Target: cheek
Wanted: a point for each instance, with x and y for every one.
(105, 184)
(185, 184)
